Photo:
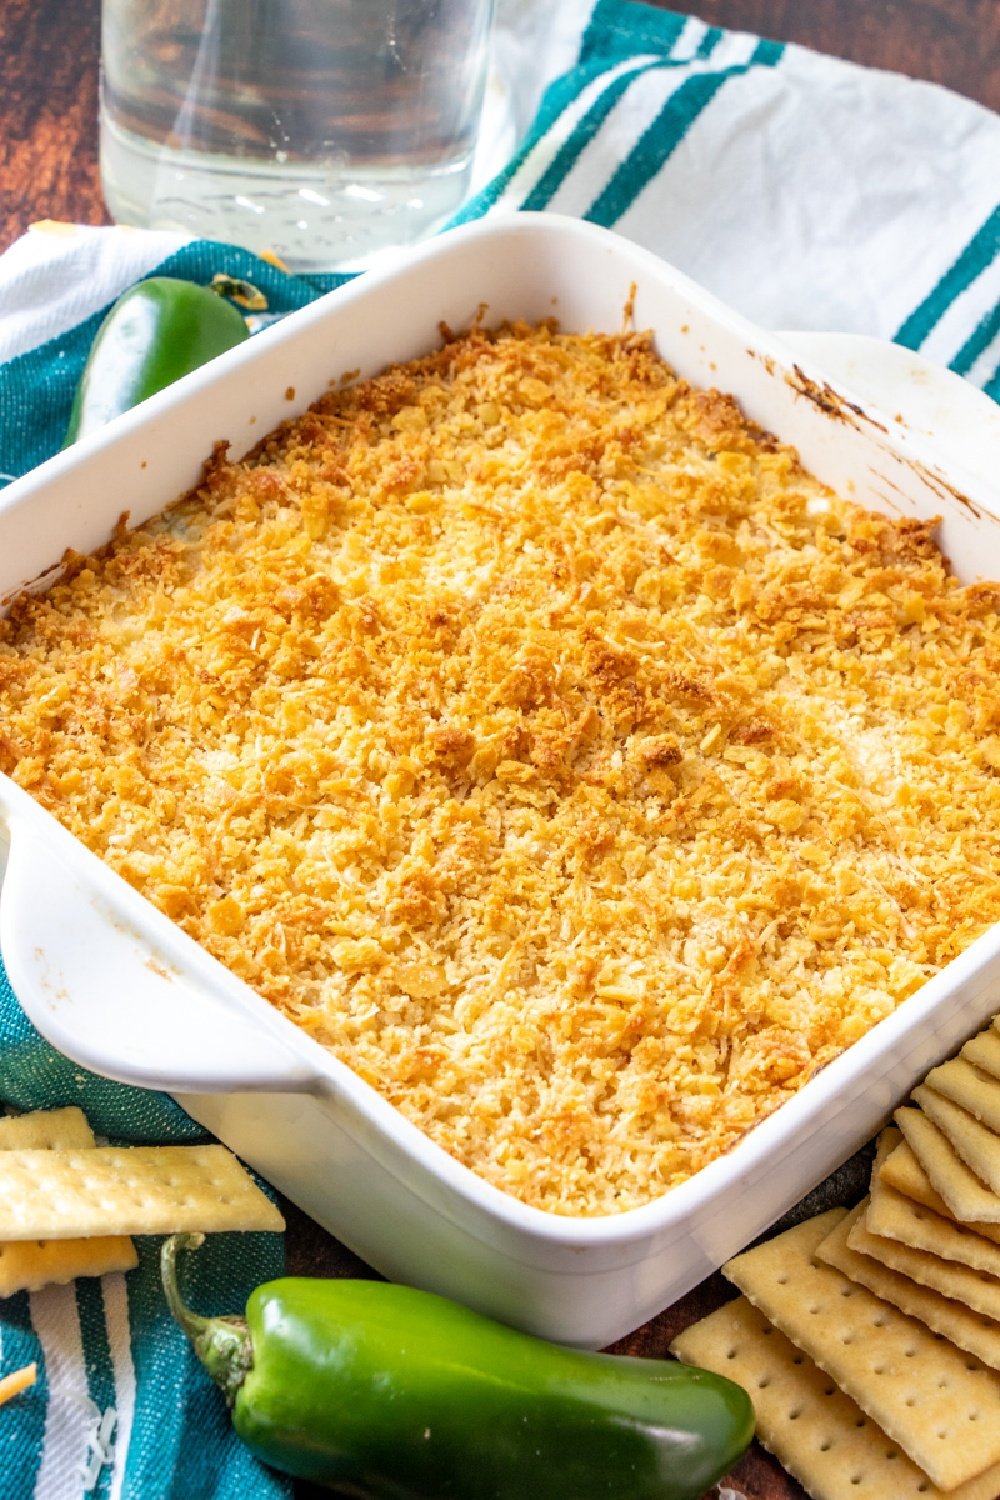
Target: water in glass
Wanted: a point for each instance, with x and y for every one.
(321, 130)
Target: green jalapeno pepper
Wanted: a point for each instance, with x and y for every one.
(383, 1392)
(157, 331)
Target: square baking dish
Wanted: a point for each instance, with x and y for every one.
(117, 987)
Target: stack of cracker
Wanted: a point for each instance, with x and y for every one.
(869, 1340)
(68, 1205)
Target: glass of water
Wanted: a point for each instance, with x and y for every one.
(323, 131)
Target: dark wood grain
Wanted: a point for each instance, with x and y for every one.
(48, 169)
(951, 42)
(48, 114)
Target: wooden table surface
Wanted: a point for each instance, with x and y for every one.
(48, 150)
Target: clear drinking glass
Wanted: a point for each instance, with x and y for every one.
(321, 130)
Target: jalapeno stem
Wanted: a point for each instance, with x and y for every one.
(222, 1344)
(243, 293)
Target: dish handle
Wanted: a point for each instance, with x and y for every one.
(116, 987)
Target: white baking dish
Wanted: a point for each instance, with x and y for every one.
(117, 987)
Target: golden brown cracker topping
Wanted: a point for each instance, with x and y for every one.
(534, 732)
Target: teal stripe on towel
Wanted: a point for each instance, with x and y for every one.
(664, 135)
(558, 98)
(611, 39)
(979, 340)
(977, 255)
(709, 42)
(595, 48)
(583, 133)
(96, 1357)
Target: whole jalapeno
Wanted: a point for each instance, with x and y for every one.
(383, 1392)
(157, 331)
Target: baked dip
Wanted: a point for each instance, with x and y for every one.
(534, 733)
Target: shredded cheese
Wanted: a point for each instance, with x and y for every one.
(17, 1381)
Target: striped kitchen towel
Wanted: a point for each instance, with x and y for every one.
(808, 193)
